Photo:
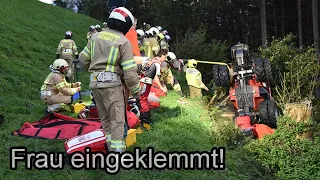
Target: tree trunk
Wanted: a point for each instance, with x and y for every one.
(282, 19)
(263, 24)
(315, 24)
(275, 19)
(316, 37)
(299, 24)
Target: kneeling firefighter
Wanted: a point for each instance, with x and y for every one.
(108, 56)
(56, 92)
(150, 70)
(194, 80)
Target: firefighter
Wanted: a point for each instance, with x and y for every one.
(98, 29)
(151, 44)
(68, 51)
(151, 70)
(108, 57)
(140, 36)
(105, 26)
(91, 31)
(167, 76)
(194, 80)
(162, 41)
(56, 92)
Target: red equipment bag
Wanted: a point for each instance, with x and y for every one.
(157, 91)
(95, 140)
(154, 101)
(58, 126)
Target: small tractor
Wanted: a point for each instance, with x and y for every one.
(248, 82)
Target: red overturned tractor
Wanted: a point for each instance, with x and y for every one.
(248, 82)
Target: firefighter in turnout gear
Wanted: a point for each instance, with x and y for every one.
(108, 57)
(91, 31)
(68, 51)
(167, 76)
(105, 26)
(150, 70)
(151, 44)
(194, 80)
(56, 92)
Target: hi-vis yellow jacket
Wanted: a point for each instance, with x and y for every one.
(194, 78)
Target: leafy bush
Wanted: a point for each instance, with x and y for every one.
(288, 153)
(295, 71)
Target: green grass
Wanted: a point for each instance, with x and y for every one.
(30, 33)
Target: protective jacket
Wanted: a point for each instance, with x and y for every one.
(110, 51)
(67, 48)
(151, 45)
(194, 78)
(55, 83)
(164, 44)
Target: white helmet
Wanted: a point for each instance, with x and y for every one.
(92, 28)
(140, 33)
(60, 63)
(154, 31)
(97, 26)
(159, 28)
(171, 56)
(120, 19)
(147, 33)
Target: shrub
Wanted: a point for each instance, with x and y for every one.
(295, 71)
(286, 153)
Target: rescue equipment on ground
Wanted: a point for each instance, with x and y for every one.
(58, 126)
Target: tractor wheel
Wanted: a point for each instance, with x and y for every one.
(221, 76)
(268, 113)
(262, 69)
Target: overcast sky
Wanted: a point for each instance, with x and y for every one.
(47, 1)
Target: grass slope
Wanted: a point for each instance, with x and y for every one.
(30, 33)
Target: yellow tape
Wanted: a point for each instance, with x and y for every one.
(218, 63)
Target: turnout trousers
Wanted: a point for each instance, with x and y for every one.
(111, 108)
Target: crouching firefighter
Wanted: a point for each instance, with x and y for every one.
(148, 71)
(194, 80)
(108, 57)
(56, 92)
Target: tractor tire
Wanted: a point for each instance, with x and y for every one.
(262, 69)
(268, 113)
(221, 76)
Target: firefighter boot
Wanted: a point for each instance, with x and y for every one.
(146, 120)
